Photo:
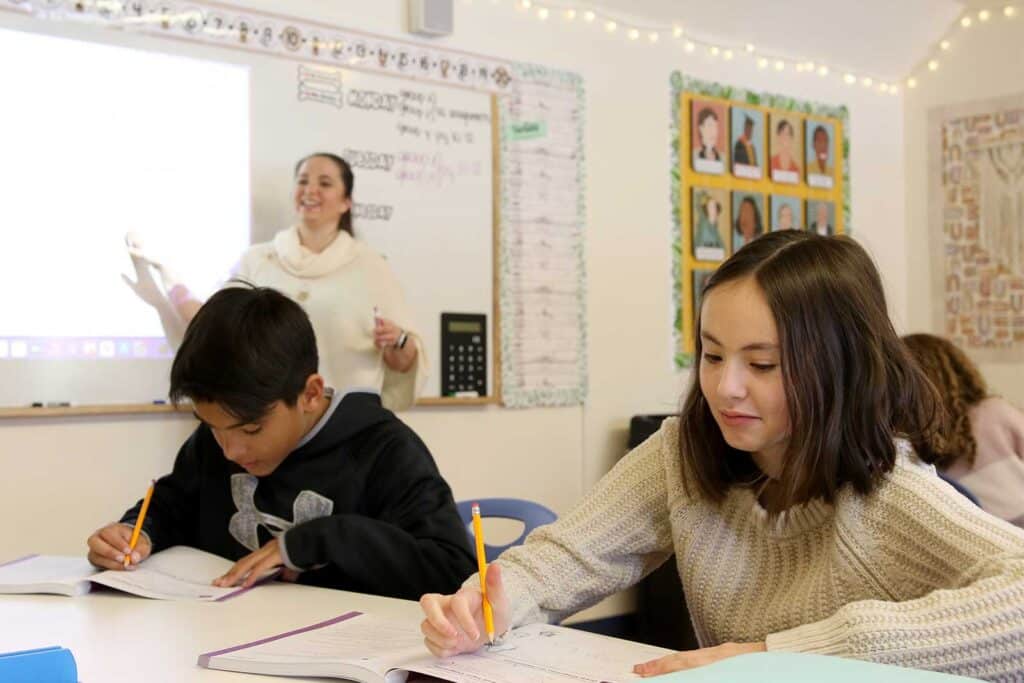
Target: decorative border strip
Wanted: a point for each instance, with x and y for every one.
(213, 23)
(680, 84)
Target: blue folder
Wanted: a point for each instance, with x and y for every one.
(786, 667)
(52, 664)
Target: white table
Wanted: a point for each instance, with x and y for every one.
(118, 637)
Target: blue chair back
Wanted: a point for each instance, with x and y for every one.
(531, 514)
(960, 487)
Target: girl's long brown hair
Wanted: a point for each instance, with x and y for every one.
(851, 385)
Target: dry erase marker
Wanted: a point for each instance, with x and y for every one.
(138, 524)
(481, 563)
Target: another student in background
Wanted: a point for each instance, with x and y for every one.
(789, 491)
(285, 472)
(341, 282)
(982, 446)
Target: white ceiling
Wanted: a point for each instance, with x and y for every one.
(886, 38)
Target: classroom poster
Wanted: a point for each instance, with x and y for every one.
(786, 212)
(747, 142)
(786, 147)
(748, 217)
(821, 217)
(820, 155)
(710, 214)
(733, 182)
(710, 125)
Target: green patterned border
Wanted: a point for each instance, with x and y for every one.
(562, 396)
(680, 84)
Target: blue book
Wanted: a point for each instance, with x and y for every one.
(52, 664)
(787, 667)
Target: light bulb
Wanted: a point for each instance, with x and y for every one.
(714, 50)
(589, 16)
(610, 26)
(677, 31)
(944, 45)
(933, 65)
(823, 70)
(984, 15)
(762, 63)
(690, 47)
(850, 79)
(652, 36)
(633, 34)
(779, 65)
(542, 13)
(1009, 11)
(966, 22)
(570, 14)
(750, 47)
(911, 82)
(727, 55)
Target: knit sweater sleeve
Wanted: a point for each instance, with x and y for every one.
(964, 569)
(618, 533)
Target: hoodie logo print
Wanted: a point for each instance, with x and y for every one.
(244, 525)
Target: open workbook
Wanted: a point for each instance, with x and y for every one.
(372, 649)
(177, 573)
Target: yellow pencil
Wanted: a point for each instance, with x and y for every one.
(138, 524)
(481, 563)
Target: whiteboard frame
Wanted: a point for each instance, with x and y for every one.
(494, 397)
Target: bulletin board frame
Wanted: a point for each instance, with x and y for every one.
(684, 178)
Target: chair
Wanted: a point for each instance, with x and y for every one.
(963, 490)
(531, 514)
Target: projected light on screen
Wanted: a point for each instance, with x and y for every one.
(97, 141)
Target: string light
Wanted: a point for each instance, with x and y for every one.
(1009, 11)
(571, 11)
(966, 22)
(944, 45)
(911, 82)
(984, 15)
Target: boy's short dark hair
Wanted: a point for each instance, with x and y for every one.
(247, 348)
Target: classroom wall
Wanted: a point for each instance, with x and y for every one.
(91, 469)
(983, 62)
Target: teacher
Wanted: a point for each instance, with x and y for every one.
(363, 327)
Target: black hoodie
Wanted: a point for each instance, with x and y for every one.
(362, 503)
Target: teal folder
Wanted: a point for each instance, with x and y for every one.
(52, 664)
(785, 667)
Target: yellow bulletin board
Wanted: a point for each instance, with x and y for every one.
(704, 172)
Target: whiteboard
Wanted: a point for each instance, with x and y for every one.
(219, 170)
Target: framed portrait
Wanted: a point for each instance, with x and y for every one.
(787, 212)
(700, 278)
(820, 153)
(747, 139)
(709, 218)
(821, 216)
(747, 217)
(786, 135)
(709, 127)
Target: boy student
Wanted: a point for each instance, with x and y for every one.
(284, 472)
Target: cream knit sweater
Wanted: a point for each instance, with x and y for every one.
(912, 575)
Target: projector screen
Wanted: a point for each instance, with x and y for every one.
(97, 141)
